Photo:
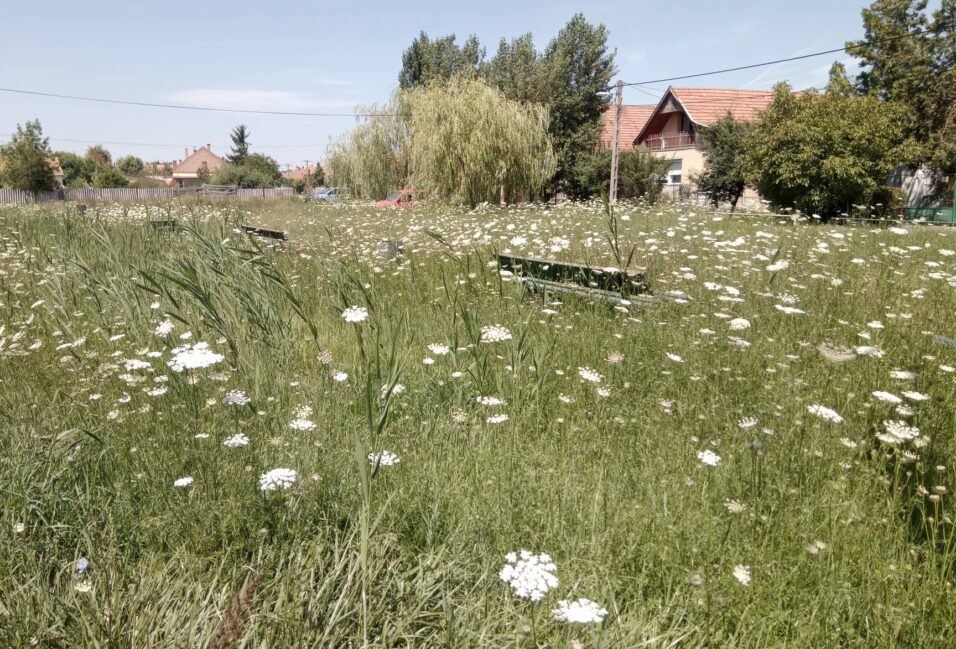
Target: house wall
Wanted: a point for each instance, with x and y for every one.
(692, 161)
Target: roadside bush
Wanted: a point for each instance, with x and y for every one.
(108, 177)
(639, 175)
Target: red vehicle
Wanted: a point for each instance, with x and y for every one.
(402, 198)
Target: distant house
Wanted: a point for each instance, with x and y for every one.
(673, 129)
(57, 170)
(299, 173)
(186, 173)
(633, 118)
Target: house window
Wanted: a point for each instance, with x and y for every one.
(674, 173)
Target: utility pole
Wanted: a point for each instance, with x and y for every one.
(618, 97)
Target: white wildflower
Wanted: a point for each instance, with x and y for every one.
(530, 575)
(355, 314)
(277, 479)
(825, 413)
(579, 611)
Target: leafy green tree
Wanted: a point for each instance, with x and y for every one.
(203, 174)
(724, 144)
(427, 60)
(909, 56)
(576, 66)
(240, 145)
(376, 156)
(317, 177)
(822, 154)
(98, 155)
(24, 159)
(839, 83)
(77, 171)
(516, 70)
(265, 165)
(109, 177)
(469, 141)
(167, 170)
(244, 175)
(130, 165)
(638, 175)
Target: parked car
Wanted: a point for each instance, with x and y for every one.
(402, 198)
(326, 194)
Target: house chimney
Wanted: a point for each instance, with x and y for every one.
(185, 152)
(208, 146)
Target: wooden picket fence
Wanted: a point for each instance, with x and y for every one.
(140, 195)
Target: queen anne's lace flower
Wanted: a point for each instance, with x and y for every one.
(742, 574)
(825, 413)
(193, 357)
(708, 458)
(887, 397)
(236, 441)
(530, 575)
(579, 611)
(384, 458)
(897, 432)
(235, 398)
(355, 314)
(589, 375)
(495, 334)
(277, 479)
(183, 482)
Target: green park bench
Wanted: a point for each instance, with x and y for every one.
(543, 276)
(279, 235)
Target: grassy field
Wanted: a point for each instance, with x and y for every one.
(766, 461)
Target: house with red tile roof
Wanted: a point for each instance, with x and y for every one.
(633, 118)
(186, 173)
(672, 130)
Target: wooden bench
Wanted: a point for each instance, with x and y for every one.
(164, 224)
(279, 235)
(545, 276)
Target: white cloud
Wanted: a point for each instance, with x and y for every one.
(252, 99)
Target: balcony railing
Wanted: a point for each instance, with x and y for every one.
(665, 142)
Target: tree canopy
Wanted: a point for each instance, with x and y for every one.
(468, 140)
(77, 170)
(724, 144)
(823, 153)
(240, 145)
(98, 155)
(24, 159)
(566, 78)
(130, 165)
(909, 56)
(442, 58)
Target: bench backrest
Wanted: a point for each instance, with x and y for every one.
(617, 281)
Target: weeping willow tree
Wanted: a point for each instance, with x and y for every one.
(470, 142)
(375, 157)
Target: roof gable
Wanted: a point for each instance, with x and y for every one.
(193, 163)
(704, 106)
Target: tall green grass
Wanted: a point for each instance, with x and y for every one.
(847, 547)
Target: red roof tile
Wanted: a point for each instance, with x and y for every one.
(705, 106)
(633, 119)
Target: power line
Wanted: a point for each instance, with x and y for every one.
(181, 107)
(171, 146)
(788, 59)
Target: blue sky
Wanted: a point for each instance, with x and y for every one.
(333, 56)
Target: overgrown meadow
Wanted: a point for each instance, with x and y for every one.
(213, 441)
